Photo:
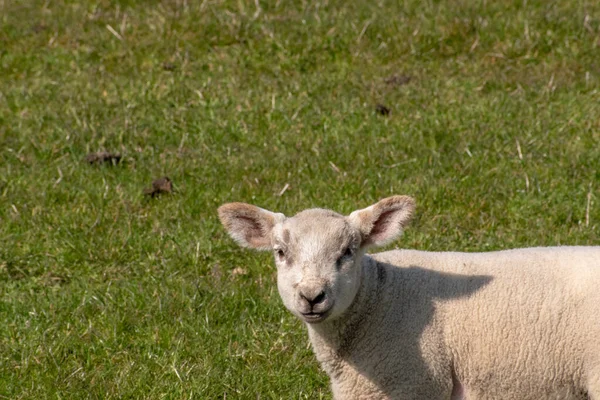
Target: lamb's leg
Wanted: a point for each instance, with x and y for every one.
(458, 391)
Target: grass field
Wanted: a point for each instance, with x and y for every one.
(494, 127)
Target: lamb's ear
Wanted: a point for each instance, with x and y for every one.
(384, 221)
(249, 225)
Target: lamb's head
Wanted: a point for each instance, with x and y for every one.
(317, 252)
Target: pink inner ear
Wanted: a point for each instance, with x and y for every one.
(381, 227)
(253, 230)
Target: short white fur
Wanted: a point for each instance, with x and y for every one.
(404, 324)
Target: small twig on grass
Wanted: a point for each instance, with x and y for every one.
(334, 167)
(364, 29)
(60, 176)
(73, 373)
(115, 33)
(401, 163)
(586, 24)
(123, 26)
(587, 208)
(177, 373)
(519, 149)
(286, 187)
(475, 44)
(258, 10)
(551, 85)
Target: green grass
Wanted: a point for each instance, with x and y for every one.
(107, 294)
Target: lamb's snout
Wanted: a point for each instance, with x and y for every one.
(313, 300)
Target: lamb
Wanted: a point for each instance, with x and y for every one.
(516, 324)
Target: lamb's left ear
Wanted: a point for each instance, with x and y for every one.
(384, 221)
(249, 225)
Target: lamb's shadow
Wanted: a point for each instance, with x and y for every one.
(396, 359)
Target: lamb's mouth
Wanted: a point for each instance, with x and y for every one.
(315, 317)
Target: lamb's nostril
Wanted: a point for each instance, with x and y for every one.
(314, 300)
(319, 299)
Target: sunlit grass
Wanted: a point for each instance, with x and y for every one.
(105, 293)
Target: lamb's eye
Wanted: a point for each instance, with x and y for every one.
(344, 257)
(348, 252)
(280, 253)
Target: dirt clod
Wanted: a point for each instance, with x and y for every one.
(168, 66)
(159, 186)
(382, 110)
(398, 80)
(38, 27)
(103, 157)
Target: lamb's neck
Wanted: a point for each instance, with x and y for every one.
(332, 340)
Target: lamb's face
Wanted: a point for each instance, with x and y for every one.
(317, 254)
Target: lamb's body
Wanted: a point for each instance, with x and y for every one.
(518, 324)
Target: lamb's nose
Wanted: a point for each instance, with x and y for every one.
(314, 298)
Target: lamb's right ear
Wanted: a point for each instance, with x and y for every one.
(384, 221)
(249, 225)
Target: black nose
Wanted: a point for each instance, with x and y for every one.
(319, 298)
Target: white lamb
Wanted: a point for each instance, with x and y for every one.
(518, 324)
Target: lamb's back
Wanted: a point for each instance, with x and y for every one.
(534, 322)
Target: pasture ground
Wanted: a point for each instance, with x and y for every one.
(494, 128)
